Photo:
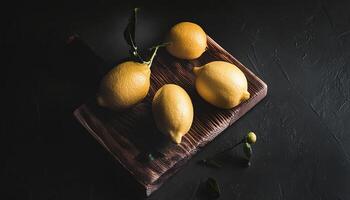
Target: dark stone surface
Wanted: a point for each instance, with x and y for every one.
(299, 48)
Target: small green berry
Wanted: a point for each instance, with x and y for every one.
(251, 138)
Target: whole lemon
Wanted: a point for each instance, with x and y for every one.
(173, 111)
(221, 84)
(186, 41)
(125, 85)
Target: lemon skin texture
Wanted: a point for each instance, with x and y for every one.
(186, 41)
(173, 111)
(124, 86)
(221, 84)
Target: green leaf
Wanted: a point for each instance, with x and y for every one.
(129, 32)
(129, 36)
(213, 188)
(247, 149)
(150, 157)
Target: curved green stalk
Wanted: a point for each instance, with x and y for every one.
(155, 52)
(149, 63)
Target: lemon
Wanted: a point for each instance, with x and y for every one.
(173, 111)
(186, 41)
(221, 84)
(125, 85)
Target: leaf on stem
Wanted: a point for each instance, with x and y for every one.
(129, 36)
(213, 188)
(129, 32)
(150, 157)
(247, 149)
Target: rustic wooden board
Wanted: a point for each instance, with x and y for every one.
(129, 135)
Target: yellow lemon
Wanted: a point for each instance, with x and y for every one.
(125, 85)
(221, 84)
(186, 41)
(173, 111)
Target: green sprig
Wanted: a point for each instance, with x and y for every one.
(129, 35)
(213, 188)
(130, 38)
(247, 142)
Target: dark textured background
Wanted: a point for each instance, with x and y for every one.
(301, 49)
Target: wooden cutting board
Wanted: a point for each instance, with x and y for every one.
(130, 135)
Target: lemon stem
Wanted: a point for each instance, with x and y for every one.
(229, 148)
(212, 157)
(153, 56)
(155, 52)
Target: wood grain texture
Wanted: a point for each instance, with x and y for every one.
(130, 134)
